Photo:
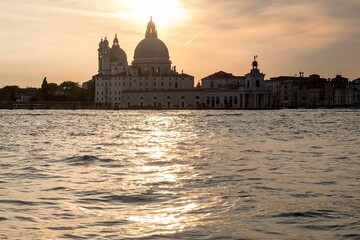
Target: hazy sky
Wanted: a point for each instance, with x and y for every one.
(59, 38)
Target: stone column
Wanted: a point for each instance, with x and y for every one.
(243, 100)
(255, 101)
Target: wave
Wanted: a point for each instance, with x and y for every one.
(86, 160)
(306, 214)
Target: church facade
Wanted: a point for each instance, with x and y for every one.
(151, 81)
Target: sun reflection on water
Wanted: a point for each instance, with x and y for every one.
(172, 219)
(161, 170)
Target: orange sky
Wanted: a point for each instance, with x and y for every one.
(59, 38)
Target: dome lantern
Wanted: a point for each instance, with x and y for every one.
(116, 41)
(151, 31)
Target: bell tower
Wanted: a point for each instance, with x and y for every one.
(104, 56)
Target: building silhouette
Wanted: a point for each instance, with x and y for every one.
(152, 82)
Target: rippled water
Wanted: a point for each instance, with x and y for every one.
(289, 174)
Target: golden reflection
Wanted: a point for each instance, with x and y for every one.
(160, 170)
(171, 218)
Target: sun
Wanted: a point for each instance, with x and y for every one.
(164, 12)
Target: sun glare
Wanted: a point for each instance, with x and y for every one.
(164, 12)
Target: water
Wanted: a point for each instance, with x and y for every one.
(289, 174)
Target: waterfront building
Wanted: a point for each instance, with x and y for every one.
(346, 94)
(298, 91)
(338, 82)
(356, 86)
(152, 82)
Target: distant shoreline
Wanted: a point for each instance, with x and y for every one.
(91, 106)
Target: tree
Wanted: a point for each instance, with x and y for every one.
(12, 89)
(73, 91)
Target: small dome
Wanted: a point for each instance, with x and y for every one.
(117, 54)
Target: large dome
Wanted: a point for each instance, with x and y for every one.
(151, 48)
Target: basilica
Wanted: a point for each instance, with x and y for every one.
(150, 81)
